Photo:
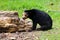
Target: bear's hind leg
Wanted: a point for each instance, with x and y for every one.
(45, 27)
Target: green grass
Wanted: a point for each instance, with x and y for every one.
(52, 10)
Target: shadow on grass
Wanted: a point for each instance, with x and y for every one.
(39, 29)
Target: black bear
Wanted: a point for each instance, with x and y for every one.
(38, 17)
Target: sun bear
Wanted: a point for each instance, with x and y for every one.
(38, 17)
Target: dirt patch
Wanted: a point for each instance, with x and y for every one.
(19, 36)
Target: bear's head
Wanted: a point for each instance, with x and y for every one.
(28, 13)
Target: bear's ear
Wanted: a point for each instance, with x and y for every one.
(32, 11)
(28, 11)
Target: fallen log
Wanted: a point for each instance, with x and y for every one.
(10, 22)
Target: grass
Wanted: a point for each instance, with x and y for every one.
(45, 5)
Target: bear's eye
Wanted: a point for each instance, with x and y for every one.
(26, 15)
